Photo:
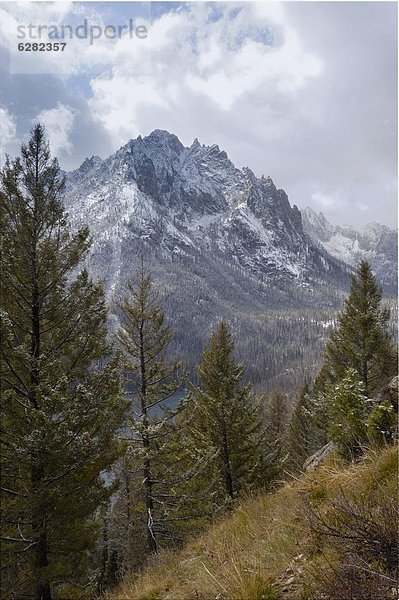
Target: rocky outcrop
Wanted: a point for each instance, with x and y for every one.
(314, 461)
(389, 393)
(291, 583)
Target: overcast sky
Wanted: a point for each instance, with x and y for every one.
(305, 92)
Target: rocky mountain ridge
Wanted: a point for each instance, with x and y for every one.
(376, 243)
(190, 201)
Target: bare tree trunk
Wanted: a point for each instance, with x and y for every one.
(149, 504)
(42, 585)
(128, 514)
(228, 479)
(42, 590)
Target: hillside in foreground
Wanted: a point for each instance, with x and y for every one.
(330, 534)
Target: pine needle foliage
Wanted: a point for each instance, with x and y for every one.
(226, 421)
(381, 424)
(362, 339)
(61, 402)
(348, 407)
(152, 380)
(300, 432)
(274, 437)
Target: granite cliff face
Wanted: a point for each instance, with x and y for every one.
(374, 242)
(192, 202)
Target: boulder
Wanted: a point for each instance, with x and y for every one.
(390, 393)
(314, 461)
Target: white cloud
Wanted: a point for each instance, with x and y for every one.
(7, 131)
(59, 122)
(196, 59)
(42, 11)
(302, 91)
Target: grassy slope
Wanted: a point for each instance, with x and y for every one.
(264, 541)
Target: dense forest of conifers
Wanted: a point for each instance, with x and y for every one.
(99, 469)
(279, 331)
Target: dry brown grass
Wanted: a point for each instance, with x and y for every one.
(242, 556)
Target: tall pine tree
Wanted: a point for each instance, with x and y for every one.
(274, 437)
(299, 433)
(152, 380)
(362, 340)
(61, 402)
(307, 430)
(226, 421)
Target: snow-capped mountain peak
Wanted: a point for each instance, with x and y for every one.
(374, 242)
(191, 201)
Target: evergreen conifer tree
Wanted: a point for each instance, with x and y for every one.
(152, 379)
(226, 422)
(61, 402)
(381, 424)
(348, 406)
(299, 434)
(307, 430)
(362, 340)
(274, 440)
